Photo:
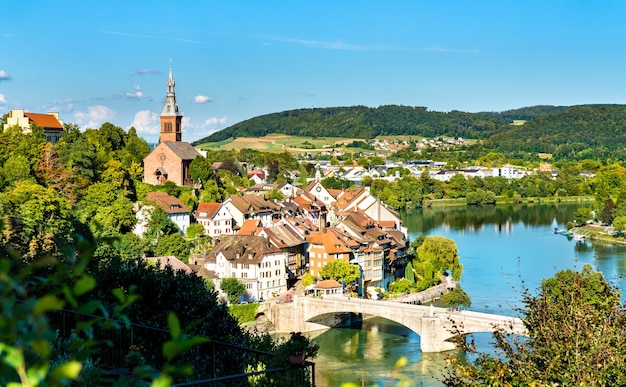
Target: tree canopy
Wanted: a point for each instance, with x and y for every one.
(575, 337)
(340, 270)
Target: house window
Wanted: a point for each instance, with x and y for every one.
(244, 275)
(245, 266)
(249, 286)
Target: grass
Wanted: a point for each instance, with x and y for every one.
(283, 142)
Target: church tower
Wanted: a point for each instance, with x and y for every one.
(171, 119)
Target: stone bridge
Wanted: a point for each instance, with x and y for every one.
(435, 326)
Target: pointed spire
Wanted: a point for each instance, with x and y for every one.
(170, 107)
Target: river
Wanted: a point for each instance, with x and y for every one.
(503, 249)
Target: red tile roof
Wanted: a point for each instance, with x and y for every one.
(210, 209)
(250, 227)
(169, 204)
(47, 121)
(328, 284)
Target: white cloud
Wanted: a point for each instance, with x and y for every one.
(214, 121)
(202, 99)
(2, 99)
(146, 122)
(146, 71)
(4, 76)
(137, 94)
(94, 117)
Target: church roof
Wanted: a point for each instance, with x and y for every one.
(184, 150)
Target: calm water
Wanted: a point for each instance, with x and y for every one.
(503, 249)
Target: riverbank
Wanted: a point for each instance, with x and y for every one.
(600, 233)
(508, 200)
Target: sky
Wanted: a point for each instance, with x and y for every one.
(108, 61)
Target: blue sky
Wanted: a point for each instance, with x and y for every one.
(98, 61)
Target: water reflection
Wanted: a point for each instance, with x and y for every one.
(504, 250)
(367, 356)
(474, 218)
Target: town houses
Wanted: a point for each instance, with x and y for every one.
(268, 244)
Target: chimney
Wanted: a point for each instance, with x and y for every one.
(322, 222)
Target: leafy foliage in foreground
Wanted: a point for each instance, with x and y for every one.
(575, 337)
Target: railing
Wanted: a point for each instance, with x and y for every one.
(293, 376)
(223, 364)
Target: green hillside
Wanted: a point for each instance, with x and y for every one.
(364, 122)
(590, 131)
(585, 131)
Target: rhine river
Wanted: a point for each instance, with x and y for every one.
(503, 249)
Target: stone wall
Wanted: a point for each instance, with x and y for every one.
(426, 296)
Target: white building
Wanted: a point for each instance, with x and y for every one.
(215, 218)
(52, 126)
(252, 260)
(175, 210)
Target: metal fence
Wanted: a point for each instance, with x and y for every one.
(217, 363)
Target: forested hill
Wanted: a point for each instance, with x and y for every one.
(549, 129)
(588, 131)
(364, 122)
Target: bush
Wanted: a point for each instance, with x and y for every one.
(244, 313)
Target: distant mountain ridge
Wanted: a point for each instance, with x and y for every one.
(549, 129)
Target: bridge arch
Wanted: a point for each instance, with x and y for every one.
(435, 326)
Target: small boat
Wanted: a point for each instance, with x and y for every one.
(579, 237)
(567, 233)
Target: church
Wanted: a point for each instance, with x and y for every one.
(170, 159)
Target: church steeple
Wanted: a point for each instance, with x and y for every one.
(171, 118)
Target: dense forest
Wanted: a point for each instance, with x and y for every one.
(573, 133)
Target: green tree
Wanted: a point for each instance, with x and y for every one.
(341, 271)
(436, 256)
(308, 279)
(619, 223)
(38, 221)
(456, 297)
(334, 182)
(606, 215)
(132, 246)
(195, 230)
(173, 244)
(106, 210)
(582, 215)
(408, 273)
(575, 337)
(274, 194)
(233, 288)
(16, 168)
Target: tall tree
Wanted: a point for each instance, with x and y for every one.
(39, 221)
(340, 271)
(437, 255)
(575, 337)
